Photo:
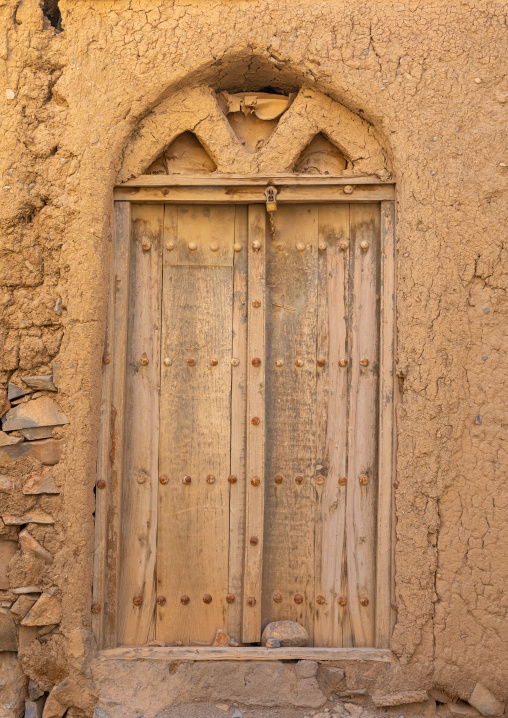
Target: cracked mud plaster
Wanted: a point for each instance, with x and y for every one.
(428, 82)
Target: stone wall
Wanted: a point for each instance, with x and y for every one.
(430, 79)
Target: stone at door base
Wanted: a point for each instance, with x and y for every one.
(289, 633)
(399, 699)
(462, 709)
(306, 669)
(33, 709)
(12, 686)
(237, 714)
(272, 643)
(221, 638)
(485, 701)
(332, 677)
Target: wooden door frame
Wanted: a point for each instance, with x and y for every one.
(234, 189)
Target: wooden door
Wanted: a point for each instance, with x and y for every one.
(266, 401)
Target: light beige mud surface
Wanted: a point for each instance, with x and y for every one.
(426, 85)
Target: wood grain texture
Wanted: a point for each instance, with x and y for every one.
(291, 417)
(363, 417)
(332, 626)
(264, 180)
(193, 519)
(246, 653)
(255, 462)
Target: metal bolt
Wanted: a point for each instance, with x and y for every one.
(186, 480)
(170, 246)
(255, 420)
(279, 362)
(146, 246)
(255, 481)
(235, 362)
(254, 540)
(185, 600)
(106, 359)
(279, 479)
(256, 303)
(277, 597)
(163, 479)
(320, 480)
(140, 479)
(364, 246)
(298, 598)
(342, 600)
(256, 245)
(137, 600)
(214, 362)
(161, 600)
(191, 361)
(164, 191)
(144, 360)
(251, 601)
(363, 479)
(230, 598)
(298, 362)
(364, 601)
(321, 362)
(320, 600)
(348, 189)
(342, 363)
(96, 608)
(342, 480)
(101, 484)
(300, 247)
(193, 246)
(321, 246)
(232, 479)
(210, 479)
(207, 598)
(280, 248)
(364, 362)
(344, 245)
(214, 246)
(237, 247)
(299, 479)
(256, 361)
(167, 361)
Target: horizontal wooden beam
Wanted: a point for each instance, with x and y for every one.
(252, 194)
(245, 653)
(246, 180)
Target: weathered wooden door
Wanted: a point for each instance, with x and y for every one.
(255, 345)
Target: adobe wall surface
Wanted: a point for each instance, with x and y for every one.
(431, 78)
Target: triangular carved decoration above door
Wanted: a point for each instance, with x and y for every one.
(320, 157)
(185, 155)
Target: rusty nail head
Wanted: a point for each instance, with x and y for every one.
(254, 540)
(251, 601)
(170, 246)
(230, 598)
(255, 481)
(299, 479)
(214, 246)
(167, 361)
(279, 479)
(342, 363)
(144, 360)
(186, 480)
(298, 598)
(101, 484)
(207, 598)
(237, 247)
(342, 480)
(185, 600)
(163, 479)
(193, 246)
(298, 362)
(232, 479)
(256, 303)
(191, 361)
(256, 361)
(164, 191)
(277, 597)
(300, 247)
(364, 601)
(146, 246)
(364, 246)
(395, 484)
(255, 420)
(161, 600)
(344, 245)
(395, 605)
(235, 361)
(256, 244)
(363, 479)
(96, 608)
(321, 246)
(320, 600)
(137, 600)
(342, 600)
(320, 479)
(321, 362)
(210, 479)
(214, 362)
(140, 479)
(364, 362)
(348, 189)
(280, 248)
(279, 362)
(106, 359)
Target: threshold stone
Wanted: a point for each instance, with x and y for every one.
(289, 633)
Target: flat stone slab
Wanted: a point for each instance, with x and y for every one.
(41, 383)
(47, 610)
(485, 701)
(47, 451)
(399, 699)
(38, 432)
(288, 633)
(8, 440)
(43, 411)
(37, 516)
(8, 640)
(15, 392)
(43, 483)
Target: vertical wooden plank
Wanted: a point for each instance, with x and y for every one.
(238, 425)
(386, 425)
(193, 523)
(254, 519)
(332, 626)
(108, 510)
(290, 506)
(363, 420)
(136, 610)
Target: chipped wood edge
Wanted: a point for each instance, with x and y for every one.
(386, 427)
(243, 180)
(246, 653)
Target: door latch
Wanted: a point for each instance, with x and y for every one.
(271, 199)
